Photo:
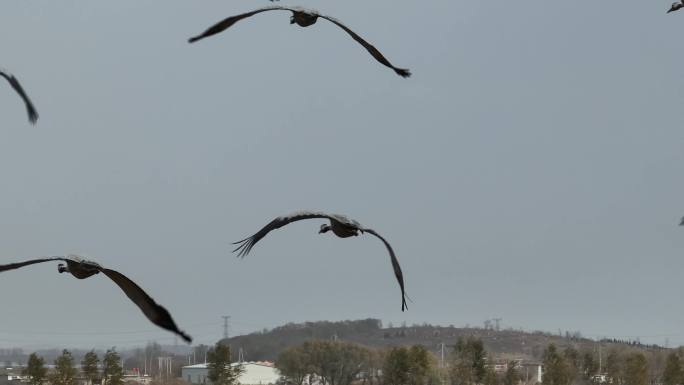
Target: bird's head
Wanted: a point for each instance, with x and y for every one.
(324, 229)
(292, 19)
(674, 7)
(62, 268)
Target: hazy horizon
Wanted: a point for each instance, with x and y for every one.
(131, 342)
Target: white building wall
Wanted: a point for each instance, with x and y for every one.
(195, 374)
(539, 373)
(254, 374)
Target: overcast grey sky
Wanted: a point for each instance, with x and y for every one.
(531, 169)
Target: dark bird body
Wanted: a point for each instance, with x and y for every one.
(676, 6)
(30, 109)
(340, 225)
(303, 18)
(82, 269)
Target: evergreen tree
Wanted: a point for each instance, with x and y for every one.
(221, 372)
(589, 365)
(556, 370)
(614, 367)
(572, 362)
(35, 369)
(672, 375)
(112, 372)
(89, 366)
(469, 362)
(636, 369)
(65, 372)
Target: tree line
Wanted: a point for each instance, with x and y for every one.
(341, 363)
(65, 371)
(468, 363)
(618, 367)
(333, 362)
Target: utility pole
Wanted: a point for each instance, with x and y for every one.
(600, 362)
(226, 319)
(442, 354)
(441, 364)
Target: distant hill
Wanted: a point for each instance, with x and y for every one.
(508, 343)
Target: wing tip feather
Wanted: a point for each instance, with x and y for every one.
(33, 117)
(244, 247)
(185, 336)
(403, 72)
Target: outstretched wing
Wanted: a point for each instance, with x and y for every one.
(246, 244)
(403, 72)
(395, 265)
(226, 23)
(12, 266)
(153, 311)
(30, 109)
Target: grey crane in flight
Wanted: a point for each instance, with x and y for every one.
(340, 225)
(30, 109)
(675, 6)
(82, 269)
(304, 18)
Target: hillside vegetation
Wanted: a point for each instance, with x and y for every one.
(508, 343)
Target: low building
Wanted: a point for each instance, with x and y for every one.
(601, 379)
(531, 371)
(255, 373)
(137, 378)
